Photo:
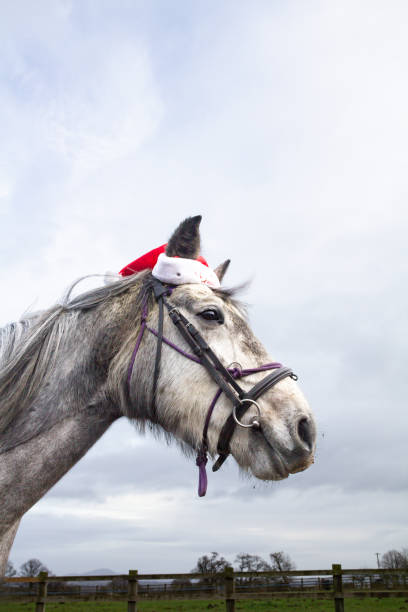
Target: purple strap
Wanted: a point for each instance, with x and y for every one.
(201, 459)
(175, 347)
(201, 462)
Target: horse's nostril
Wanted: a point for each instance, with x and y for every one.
(305, 432)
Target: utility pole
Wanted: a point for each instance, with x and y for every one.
(378, 560)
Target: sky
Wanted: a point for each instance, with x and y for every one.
(285, 125)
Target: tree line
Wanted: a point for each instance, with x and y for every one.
(395, 559)
(244, 562)
(214, 563)
(30, 569)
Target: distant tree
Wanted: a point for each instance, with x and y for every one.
(281, 562)
(213, 564)
(395, 559)
(251, 563)
(10, 571)
(32, 568)
(210, 564)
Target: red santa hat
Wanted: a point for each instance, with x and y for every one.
(173, 270)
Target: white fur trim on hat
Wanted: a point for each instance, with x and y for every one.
(180, 271)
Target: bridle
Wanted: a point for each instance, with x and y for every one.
(224, 377)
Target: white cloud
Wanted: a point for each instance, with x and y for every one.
(6, 191)
(109, 114)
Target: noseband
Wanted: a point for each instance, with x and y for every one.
(224, 377)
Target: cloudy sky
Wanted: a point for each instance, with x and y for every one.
(285, 125)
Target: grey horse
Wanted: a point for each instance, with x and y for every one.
(64, 379)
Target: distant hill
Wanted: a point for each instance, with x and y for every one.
(103, 571)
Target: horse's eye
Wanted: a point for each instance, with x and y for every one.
(212, 314)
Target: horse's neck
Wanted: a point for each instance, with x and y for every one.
(29, 470)
(68, 414)
(6, 542)
(74, 402)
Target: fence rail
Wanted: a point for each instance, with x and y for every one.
(336, 583)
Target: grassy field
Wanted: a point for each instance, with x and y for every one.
(391, 604)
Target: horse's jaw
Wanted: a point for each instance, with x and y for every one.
(286, 440)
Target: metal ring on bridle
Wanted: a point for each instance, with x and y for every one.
(235, 364)
(254, 422)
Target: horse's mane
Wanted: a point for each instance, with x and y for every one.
(28, 348)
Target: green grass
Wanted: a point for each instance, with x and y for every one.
(389, 604)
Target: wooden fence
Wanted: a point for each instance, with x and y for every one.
(336, 584)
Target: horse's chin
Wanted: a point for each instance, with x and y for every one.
(268, 463)
(269, 466)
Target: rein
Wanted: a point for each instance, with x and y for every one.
(225, 377)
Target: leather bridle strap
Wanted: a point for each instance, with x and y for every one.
(197, 343)
(240, 408)
(206, 355)
(159, 291)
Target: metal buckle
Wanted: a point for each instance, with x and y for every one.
(254, 423)
(235, 363)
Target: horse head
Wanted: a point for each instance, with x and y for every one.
(242, 403)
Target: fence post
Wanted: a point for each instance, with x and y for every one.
(229, 589)
(338, 588)
(132, 591)
(42, 592)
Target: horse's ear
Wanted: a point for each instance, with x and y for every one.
(221, 269)
(185, 242)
